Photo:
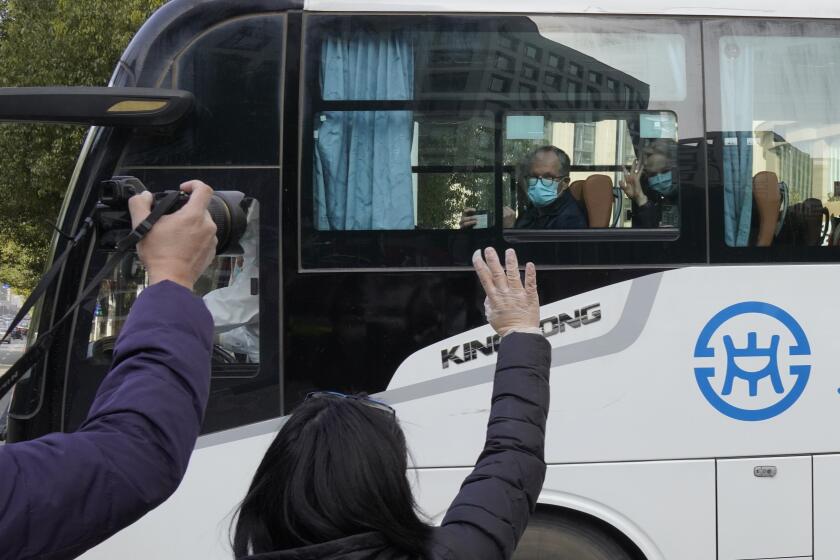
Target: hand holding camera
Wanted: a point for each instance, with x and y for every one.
(181, 245)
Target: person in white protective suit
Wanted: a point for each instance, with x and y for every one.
(236, 312)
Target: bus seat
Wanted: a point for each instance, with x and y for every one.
(834, 236)
(598, 198)
(817, 219)
(806, 224)
(767, 197)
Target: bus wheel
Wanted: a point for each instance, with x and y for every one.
(561, 537)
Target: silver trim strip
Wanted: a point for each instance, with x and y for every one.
(626, 331)
(242, 432)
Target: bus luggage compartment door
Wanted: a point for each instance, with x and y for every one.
(764, 508)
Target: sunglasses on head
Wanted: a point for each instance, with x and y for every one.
(365, 400)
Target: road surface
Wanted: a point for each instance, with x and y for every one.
(8, 354)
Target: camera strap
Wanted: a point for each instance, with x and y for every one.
(36, 351)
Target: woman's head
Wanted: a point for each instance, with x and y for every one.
(659, 157)
(336, 468)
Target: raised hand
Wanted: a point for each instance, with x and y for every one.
(632, 184)
(509, 304)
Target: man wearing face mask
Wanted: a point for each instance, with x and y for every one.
(545, 186)
(649, 183)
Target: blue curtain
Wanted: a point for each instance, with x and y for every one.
(737, 88)
(737, 187)
(362, 163)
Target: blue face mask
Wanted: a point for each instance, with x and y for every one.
(542, 192)
(662, 183)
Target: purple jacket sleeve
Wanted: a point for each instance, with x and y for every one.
(491, 511)
(64, 493)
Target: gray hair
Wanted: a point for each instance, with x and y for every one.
(527, 161)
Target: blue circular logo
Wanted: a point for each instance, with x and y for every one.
(734, 390)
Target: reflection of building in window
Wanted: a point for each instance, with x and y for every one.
(551, 79)
(508, 42)
(797, 170)
(529, 72)
(503, 62)
(533, 52)
(584, 147)
(605, 142)
(498, 85)
(792, 165)
(499, 67)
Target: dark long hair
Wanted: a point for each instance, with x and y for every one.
(336, 468)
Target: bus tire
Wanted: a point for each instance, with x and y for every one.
(564, 537)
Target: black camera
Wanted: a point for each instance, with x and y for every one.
(229, 210)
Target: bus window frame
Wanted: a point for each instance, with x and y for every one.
(406, 250)
(270, 367)
(620, 234)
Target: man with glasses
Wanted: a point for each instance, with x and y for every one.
(545, 185)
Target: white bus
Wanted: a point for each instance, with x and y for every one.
(695, 373)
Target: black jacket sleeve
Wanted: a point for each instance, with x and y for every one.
(491, 511)
(646, 215)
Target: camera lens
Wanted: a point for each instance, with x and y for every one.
(228, 211)
(107, 192)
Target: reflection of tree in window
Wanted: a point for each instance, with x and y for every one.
(453, 141)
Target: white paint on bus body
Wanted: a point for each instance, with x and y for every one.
(625, 404)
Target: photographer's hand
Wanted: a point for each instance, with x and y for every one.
(181, 245)
(510, 306)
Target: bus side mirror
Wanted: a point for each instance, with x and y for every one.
(101, 106)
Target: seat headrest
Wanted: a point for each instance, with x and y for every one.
(598, 199)
(767, 198)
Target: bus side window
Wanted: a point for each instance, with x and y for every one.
(773, 123)
(622, 167)
(419, 129)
